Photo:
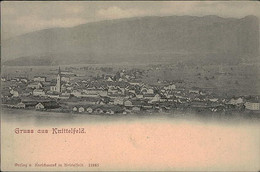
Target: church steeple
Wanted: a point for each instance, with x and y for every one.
(58, 85)
(59, 71)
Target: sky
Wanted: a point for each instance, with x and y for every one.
(27, 16)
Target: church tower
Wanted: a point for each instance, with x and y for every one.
(58, 85)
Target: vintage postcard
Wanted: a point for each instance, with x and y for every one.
(130, 86)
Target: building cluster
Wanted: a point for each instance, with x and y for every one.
(123, 92)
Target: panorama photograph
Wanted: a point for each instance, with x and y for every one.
(162, 64)
(127, 62)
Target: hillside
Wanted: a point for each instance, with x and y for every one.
(142, 39)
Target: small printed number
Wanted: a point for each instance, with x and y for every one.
(93, 165)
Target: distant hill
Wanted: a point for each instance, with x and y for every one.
(144, 39)
(50, 59)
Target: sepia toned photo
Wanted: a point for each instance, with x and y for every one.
(130, 86)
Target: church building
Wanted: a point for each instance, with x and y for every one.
(57, 87)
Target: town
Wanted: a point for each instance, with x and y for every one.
(123, 92)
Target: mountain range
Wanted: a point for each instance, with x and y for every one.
(207, 39)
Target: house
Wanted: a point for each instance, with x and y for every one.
(65, 78)
(132, 91)
(203, 93)
(39, 78)
(95, 91)
(100, 102)
(136, 109)
(89, 110)
(99, 110)
(252, 105)
(113, 90)
(38, 92)
(128, 103)
(121, 90)
(127, 76)
(150, 91)
(39, 106)
(69, 88)
(76, 93)
(146, 105)
(81, 109)
(213, 99)
(147, 91)
(119, 101)
(156, 98)
(134, 82)
(26, 92)
(130, 95)
(14, 93)
(75, 109)
(53, 95)
(92, 100)
(179, 96)
(120, 79)
(17, 79)
(143, 90)
(163, 91)
(25, 80)
(106, 100)
(53, 88)
(64, 97)
(20, 105)
(47, 105)
(110, 79)
(170, 87)
(139, 96)
(36, 85)
(235, 101)
(168, 95)
(148, 96)
(110, 111)
(194, 91)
